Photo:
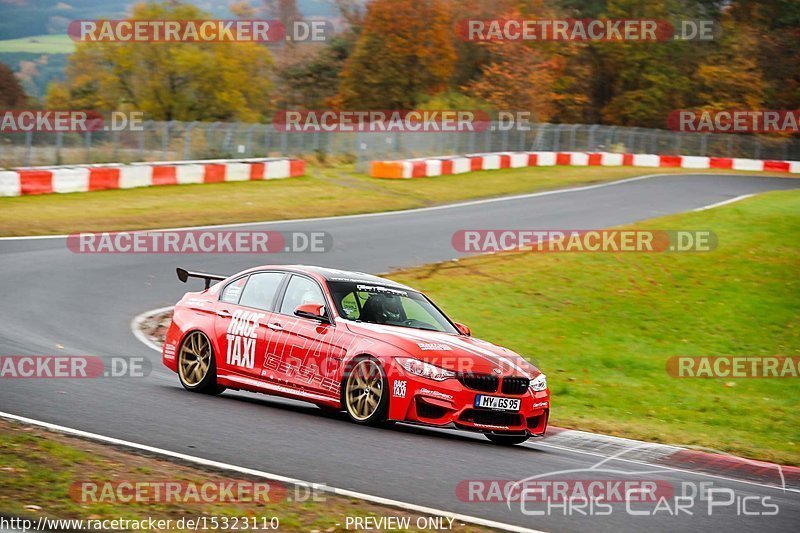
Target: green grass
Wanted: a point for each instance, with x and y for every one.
(326, 191)
(603, 325)
(39, 468)
(39, 44)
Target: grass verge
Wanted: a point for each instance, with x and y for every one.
(603, 325)
(40, 44)
(326, 191)
(39, 469)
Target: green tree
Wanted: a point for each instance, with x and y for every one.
(169, 81)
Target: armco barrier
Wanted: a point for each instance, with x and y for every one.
(437, 166)
(44, 180)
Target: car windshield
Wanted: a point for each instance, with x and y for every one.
(382, 304)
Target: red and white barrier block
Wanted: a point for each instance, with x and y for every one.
(84, 178)
(437, 166)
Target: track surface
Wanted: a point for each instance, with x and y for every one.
(55, 301)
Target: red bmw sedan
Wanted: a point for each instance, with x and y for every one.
(347, 341)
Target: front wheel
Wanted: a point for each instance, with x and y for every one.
(506, 440)
(197, 368)
(365, 396)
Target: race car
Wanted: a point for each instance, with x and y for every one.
(380, 351)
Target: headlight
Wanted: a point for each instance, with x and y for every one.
(539, 383)
(425, 370)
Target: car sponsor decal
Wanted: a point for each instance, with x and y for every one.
(436, 394)
(434, 347)
(310, 356)
(241, 336)
(381, 289)
(399, 390)
(169, 351)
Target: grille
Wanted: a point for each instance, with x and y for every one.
(490, 418)
(426, 410)
(514, 385)
(481, 382)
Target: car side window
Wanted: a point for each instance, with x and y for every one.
(261, 289)
(350, 306)
(233, 291)
(300, 291)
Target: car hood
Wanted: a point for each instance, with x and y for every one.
(458, 353)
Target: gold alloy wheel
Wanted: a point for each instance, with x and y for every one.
(364, 389)
(194, 359)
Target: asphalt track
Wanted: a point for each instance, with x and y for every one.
(56, 301)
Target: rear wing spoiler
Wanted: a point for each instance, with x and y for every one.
(184, 275)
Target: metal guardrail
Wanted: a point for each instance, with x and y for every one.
(167, 141)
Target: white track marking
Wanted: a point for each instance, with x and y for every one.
(137, 330)
(390, 213)
(724, 202)
(274, 477)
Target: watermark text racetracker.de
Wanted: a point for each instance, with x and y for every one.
(734, 121)
(585, 30)
(73, 367)
(611, 240)
(199, 31)
(68, 121)
(599, 492)
(402, 121)
(181, 491)
(734, 366)
(200, 242)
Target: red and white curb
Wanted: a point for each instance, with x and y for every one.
(698, 461)
(446, 165)
(85, 178)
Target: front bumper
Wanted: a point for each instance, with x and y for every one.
(450, 403)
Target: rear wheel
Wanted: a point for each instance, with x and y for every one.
(506, 440)
(197, 368)
(365, 396)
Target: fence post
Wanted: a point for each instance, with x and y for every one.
(592, 140)
(187, 140)
(26, 161)
(59, 145)
(284, 142)
(249, 140)
(147, 124)
(165, 139)
(115, 145)
(87, 145)
(573, 136)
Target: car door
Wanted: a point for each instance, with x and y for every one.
(245, 308)
(303, 352)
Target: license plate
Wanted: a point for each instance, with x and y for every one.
(496, 403)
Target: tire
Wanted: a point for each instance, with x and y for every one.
(506, 440)
(197, 367)
(365, 393)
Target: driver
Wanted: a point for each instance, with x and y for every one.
(392, 309)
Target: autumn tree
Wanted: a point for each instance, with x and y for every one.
(404, 52)
(519, 78)
(12, 95)
(169, 81)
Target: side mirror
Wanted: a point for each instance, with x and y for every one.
(463, 329)
(312, 311)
